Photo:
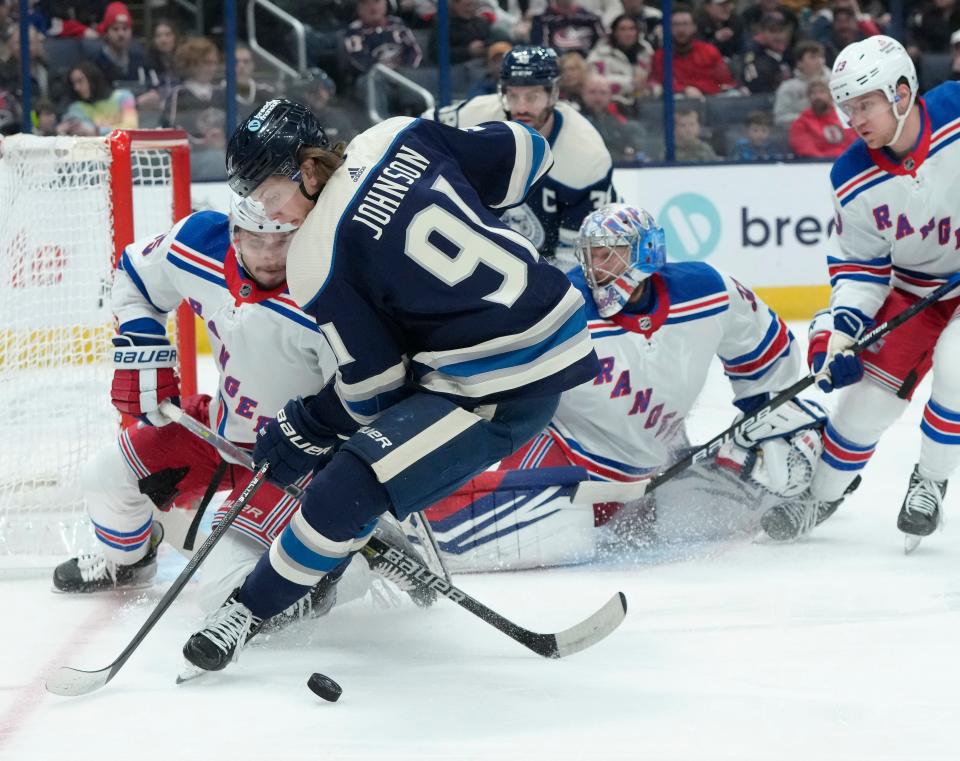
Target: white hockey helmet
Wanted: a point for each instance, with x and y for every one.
(249, 215)
(618, 226)
(876, 63)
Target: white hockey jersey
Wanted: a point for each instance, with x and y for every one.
(895, 221)
(624, 424)
(580, 180)
(267, 350)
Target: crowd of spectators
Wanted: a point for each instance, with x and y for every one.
(749, 76)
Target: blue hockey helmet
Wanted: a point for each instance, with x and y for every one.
(268, 142)
(528, 65)
(634, 246)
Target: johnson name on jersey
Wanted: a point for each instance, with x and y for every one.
(624, 423)
(267, 350)
(579, 182)
(415, 280)
(897, 223)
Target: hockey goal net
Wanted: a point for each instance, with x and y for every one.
(68, 207)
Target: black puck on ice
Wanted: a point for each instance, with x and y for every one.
(324, 687)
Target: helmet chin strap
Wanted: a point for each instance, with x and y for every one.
(901, 118)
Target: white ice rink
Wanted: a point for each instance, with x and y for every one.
(835, 648)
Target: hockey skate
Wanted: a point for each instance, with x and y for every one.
(226, 632)
(391, 533)
(93, 572)
(789, 520)
(316, 603)
(920, 514)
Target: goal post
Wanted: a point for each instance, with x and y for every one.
(68, 208)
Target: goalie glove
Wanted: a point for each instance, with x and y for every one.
(829, 355)
(781, 423)
(144, 375)
(781, 466)
(295, 443)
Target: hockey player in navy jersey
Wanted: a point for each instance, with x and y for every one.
(656, 328)
(453, 338)
(232, 271)
(896, 238)
(581, 179)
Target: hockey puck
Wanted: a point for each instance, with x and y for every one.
(324, 687)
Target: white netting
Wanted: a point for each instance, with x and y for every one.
(56, 251)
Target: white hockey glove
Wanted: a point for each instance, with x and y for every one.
(781, 466)
(783, 422)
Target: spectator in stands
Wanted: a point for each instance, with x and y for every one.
(491, 77)
(98, 108)
(374, 37)
(9, 113)
(753, 15)
(698, 67)
(341, 122)
(197, 61)
(649, 20)
(686, 132)
(163, 43)
(721, 27)
(45, 119)
(844, 30)
(120, 58)
(955, 55)
(10, 64)
(6, 22)
(791, 99)
(821, 24)
(931, 26)
(623, 138)
(767, 63)
(567, 28)
(756, 144)
(624, 59)
(469, 33)
(817, 133)
(250, 92)
(66, 19)
(573, 77)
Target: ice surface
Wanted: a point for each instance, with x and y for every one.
(837, 647)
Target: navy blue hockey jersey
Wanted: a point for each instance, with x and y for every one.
(416, 282)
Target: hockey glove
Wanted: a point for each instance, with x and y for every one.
(829, 354)
(145, 374)
(781, 423)
(294, 443)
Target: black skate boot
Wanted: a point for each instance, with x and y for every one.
(92, 572)
(920, 514)
(389, 532)
(223, 636)
(316, 603)
(789, 520)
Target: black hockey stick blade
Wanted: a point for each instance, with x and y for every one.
(578, 637)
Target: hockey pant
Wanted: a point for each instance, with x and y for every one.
(413, 454)
(522, 514)
(165, 467)
(892, 371)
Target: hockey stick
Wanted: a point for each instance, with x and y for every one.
(232, 453)
(612, 491)
(72, 682)
(578, 637)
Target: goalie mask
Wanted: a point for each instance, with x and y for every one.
(618, 247)
(263, 253)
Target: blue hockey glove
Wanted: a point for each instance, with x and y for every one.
(831, 359)
(294, 443)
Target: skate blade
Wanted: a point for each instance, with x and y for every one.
(189, 673)
(910, 543)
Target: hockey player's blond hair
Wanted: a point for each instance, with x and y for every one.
(325, 161)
